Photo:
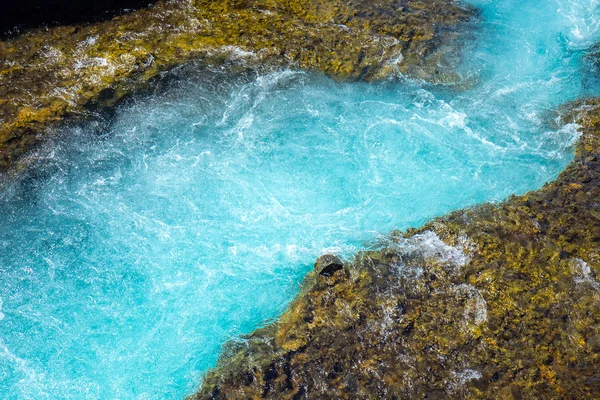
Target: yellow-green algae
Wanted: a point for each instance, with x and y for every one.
(48, 74)
(496, 301)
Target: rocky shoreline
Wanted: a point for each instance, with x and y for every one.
(47, 75)
(495, 301)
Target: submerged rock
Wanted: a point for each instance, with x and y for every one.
(496, 301)
(48, 74)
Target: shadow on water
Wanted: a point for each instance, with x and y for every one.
(17, 16)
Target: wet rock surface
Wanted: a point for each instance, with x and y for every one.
(72, 71)
(328, 264)
(496, 301)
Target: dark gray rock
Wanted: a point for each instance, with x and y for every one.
(328, 264)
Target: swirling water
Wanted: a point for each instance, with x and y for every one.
(142, 246)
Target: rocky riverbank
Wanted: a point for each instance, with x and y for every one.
(49, 74)
(496, 301)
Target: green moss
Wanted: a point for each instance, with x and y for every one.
(49, 74)
(511, 310)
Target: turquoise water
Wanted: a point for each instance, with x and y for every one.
(138, 248)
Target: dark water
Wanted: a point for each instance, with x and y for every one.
(17, 16)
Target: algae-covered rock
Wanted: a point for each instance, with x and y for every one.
(496, 301)
(48, 74)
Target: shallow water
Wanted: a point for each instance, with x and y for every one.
(141, 247)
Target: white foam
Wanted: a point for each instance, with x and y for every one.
(237, 53)
(475, 312)
(429, 245)
(332, 250)
(565, 137)
(88, 42)
(32, 380)
(583, 16)
(52, 54)
(586, 274)
(460, 378)
(91, 62)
